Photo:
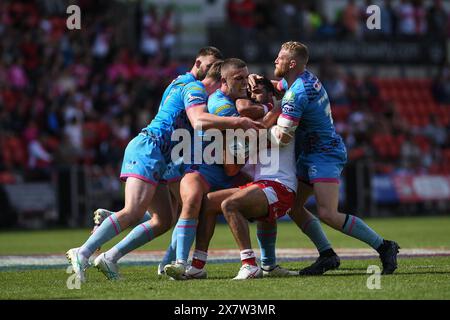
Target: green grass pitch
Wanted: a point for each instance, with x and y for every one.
(416, 278)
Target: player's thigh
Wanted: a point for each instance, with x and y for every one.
(327, 197)
(213, 200)
(174, 188)
(192, 189)
(251, 202)
(138, 195)
(161, 205)
(304, 191)
(298, 214)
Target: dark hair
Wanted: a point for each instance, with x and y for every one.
(267, 84)
(210, 51)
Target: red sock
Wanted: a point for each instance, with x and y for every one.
(250, 261)
(248, 257)
(199, 264)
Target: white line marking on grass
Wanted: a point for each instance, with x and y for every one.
(214, 256)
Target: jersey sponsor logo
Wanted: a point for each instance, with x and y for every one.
(317, 85)
(196, 88)
(289, 97)
(288, 109)
(192, 98)
(221, 108)
(130, 165)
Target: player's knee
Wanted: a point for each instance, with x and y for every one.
(325, 214)
(228, 206)
(163, 223)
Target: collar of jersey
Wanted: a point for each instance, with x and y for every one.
(224, 95)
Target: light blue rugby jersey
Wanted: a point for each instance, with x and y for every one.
(183, 93)
(220, 105)
(306, 102)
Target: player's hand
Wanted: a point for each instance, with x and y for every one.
(247, 123)
(253, 79)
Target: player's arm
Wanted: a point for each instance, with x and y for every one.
(250, 109)
(271, 116)
(195, 100)
(202, 120)
(279, 91)
(291, 111)
(283, 132)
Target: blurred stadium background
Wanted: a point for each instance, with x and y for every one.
(70, 100)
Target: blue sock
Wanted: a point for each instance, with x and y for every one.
(171, 252)
(140, 235)
(105, 232)
(314, 231)
(147, 216)
(266, 240)
(186, 229)
(356, 228)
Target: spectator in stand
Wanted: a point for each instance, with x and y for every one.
(264, 18)
(441, 86)
(388, 19)
(420, 17)
(39, 157)
(326, 29)
(336, 87)
(406, 22)
(293, 18)
(168, 31)
(410, 155)
(351, 19)
(150, 32)
(241, 16)
(435, 131)
(73, 130)
(438, 20)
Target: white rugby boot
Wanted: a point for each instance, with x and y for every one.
(248, 271)
(277, 271)
(161, 271)
(107, 267)
(176, 271)
(195, 273)
(99, 216)
(79, 263)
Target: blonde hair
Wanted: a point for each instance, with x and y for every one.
(215, 71)
(298, 50)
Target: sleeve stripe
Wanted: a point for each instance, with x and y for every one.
(296, 120)
(280, 85)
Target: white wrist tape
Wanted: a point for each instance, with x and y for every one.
(284, 127)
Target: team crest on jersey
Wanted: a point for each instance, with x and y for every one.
(317, 85)
(289, 97)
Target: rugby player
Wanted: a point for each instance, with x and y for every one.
(322, 156)
(203, 178)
